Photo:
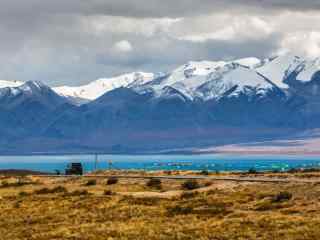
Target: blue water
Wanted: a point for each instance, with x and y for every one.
(213, 162)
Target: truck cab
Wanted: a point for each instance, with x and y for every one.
(74, 169)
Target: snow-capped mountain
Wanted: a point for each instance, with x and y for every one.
(193, 78)
(280, 68)
(185, 78)
(287, 69)
(31, 91)
(250, 62)
(206, 80)
(194, 74)
(308, 69)
(233, 79)
(27, 109)
(202, 102)
(99, 87)
(195, 70)
(13, 83)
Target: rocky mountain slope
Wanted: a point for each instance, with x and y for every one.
(197, 104)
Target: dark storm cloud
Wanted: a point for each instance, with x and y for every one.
(142, 8)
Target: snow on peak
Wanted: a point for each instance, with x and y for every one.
(16, 87)
(199, 82)
(278, 69)
(202, 68)
(250, 62)
(191, 74)
(7, 83)
(199, 68)
(35, 84)
(99, 87)
(32, 87)
(308, 69)
(233, 78)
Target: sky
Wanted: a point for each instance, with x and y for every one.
(77, 41)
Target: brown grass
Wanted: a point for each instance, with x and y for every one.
(68, 209)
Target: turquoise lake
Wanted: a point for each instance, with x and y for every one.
(211, 162)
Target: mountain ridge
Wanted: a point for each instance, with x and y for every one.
(197, 104)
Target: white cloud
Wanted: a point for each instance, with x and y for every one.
(123, 46)
(223, 27)
(300, 33)
(304, 43)
(100, 25)
(296, 31)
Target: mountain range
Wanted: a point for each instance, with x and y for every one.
(199, 104)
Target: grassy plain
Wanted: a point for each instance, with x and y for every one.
(78, 208)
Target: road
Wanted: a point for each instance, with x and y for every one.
(192, 177)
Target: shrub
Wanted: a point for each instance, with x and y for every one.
(143, 201)
(107, 192)
(252, 171)
(187, 194)
(179, 210)
(213, 208)
(276, 202)
(266, 205)
(190, 185)
(58, 189)
(19, 183)
(310, 170)
(23, 194)
(42, 191)
(208, 184)
(154, 183)
(112, 180)
(204, 172)
(78, 193)
(91, 182)
(4, 184)
(293, 170)
(17, 204)
(282, 196)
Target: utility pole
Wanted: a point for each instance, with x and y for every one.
(110, 164)
(96, 162)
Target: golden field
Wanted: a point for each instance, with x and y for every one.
(108, 208)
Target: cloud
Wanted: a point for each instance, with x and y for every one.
(223, 27)
(100, 25)
(303, 43)
(123, 46)
(76, 41)
(143, 8)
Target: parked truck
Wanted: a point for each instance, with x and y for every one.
(74, 169)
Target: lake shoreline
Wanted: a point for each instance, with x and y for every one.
(197, 162)
(263, 153)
